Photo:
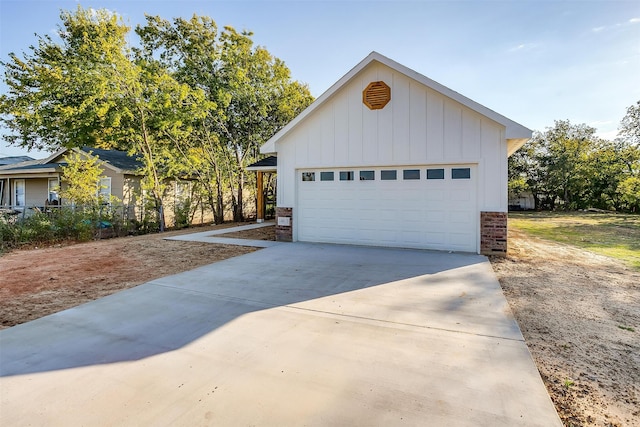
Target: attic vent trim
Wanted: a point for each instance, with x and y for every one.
(376, 95)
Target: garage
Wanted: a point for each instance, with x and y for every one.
(388, 157)
(427, 207)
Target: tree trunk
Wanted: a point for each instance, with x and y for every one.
(238, 214)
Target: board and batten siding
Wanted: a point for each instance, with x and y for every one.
(419, 126)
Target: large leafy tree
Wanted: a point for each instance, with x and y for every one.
(90, 89)
(568, 167)
(251, 93)
(630, 125)
(189, 101)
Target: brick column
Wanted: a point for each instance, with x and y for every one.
(493, 233)
(284, 224)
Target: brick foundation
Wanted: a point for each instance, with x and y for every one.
(493, 233)
(284, 224)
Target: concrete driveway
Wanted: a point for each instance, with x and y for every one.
(295, 334)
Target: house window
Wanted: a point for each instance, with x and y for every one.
(104, 189)
(461, 173)
(388, 175)
(308, 176)
(411, 174)
(53, 197)
(435, 173)
(367, 175)
(326, 176)
(19, 198)
(346, 176)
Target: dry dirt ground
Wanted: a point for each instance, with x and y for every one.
(35, 282)
(580, 317)
(579, 312)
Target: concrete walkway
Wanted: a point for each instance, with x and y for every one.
(210, 236)
(295, 334)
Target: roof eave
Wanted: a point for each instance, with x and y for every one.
(515, 144)
(27, 173)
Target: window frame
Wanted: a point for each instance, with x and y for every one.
(367, 177)
(466, 175)
(104, 190)
(407, 177)
(53, 190)
(441, 174)
(384, 175)
(324, 174)
(350, 176)
(308, 174)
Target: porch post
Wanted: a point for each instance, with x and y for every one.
(260, 194)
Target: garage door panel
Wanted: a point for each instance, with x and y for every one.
(434, 195)
(436, 214)
(436, 237)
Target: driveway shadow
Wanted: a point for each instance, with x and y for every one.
(169, 313)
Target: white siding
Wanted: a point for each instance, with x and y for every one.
(419, 126)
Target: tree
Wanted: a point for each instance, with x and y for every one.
(251, 93)
(91, 89)
(629, 129)
(629, 191)
(80, 179)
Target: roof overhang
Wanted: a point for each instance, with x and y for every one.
(268, 164)
(262, 168)
(513, 130)
(29, 173)
(514, 145)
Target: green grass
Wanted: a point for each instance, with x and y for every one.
(613, 235)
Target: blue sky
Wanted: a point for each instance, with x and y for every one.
(532, 61)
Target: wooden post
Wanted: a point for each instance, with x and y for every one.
(260, 194)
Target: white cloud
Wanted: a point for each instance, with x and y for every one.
(617, 25)
(523, 47)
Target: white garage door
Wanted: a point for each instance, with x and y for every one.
(431, 207)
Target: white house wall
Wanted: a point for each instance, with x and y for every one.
(419, 126)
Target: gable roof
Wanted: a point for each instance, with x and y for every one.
(119, 161)
(516, 134)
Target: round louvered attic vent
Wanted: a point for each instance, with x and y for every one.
(376, 95)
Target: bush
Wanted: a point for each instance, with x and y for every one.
(66, 223)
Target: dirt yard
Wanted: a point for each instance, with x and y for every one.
(579, 312)
(36, 282)
(580, 316)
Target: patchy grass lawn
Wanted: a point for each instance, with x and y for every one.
(613, 235)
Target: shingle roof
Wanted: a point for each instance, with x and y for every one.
(267, 161)
(14, 159)
(119, 159)
(22, 167)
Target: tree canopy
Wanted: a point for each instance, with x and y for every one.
(189, 101)
(568, 167)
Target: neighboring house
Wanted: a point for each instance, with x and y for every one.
(14, 159)
(522, 202)
(35, 183)
(388, 157)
